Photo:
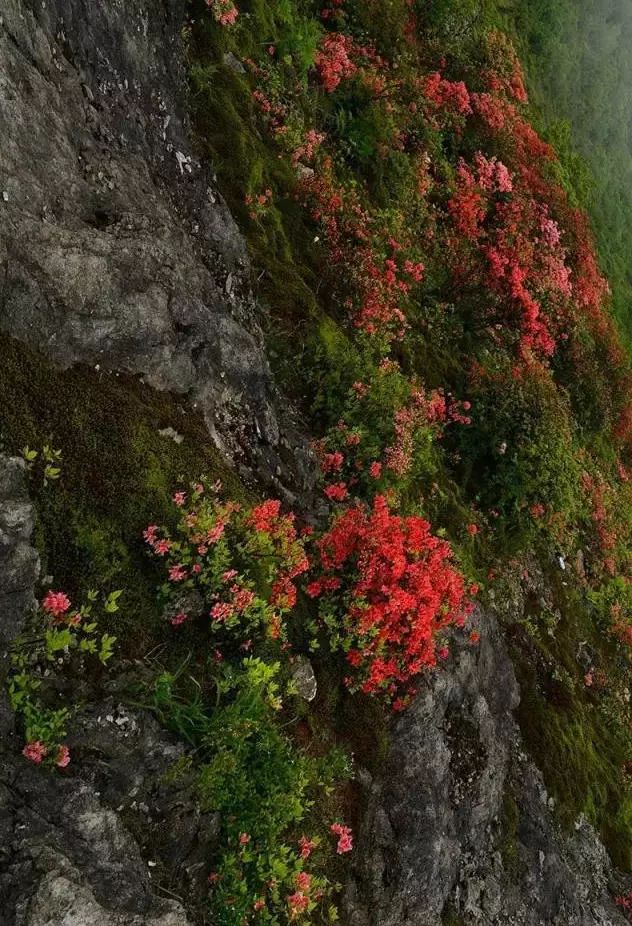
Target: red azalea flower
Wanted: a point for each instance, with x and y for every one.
(306, 846)
(56, 603)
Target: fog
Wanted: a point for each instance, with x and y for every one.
(580, 64)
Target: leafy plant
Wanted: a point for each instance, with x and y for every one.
(264, 788)
(46, 462)
(60, 634)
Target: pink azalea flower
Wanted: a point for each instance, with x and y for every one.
(56, 603)
(345, 837)
(303, 881)
(150, 534)
(306, 846)
(35, 751)
(222, 611)
(297, 903)
(63, 757)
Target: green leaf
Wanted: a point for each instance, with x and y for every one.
(111, 605)
(107, 647)
(57, 640)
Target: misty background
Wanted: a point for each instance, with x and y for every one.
(579, 61)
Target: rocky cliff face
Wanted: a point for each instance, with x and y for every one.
(116, 249)
(459, 823)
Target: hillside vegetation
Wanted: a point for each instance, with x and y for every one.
(436, 306)
(578, 58)
(436, 309)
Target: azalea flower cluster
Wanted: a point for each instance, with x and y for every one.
(379, 271)
(244, 563)
(340, 57)
(388, 588)
(354, 463)
(504, 74)
(540, 268)
(258, 205)
(431, 411)
(63, 632)
(606, 537)
(509, 245)
(518, 252)
(296, 895)
(345, 837)
(224, 11)
(334, 60)
(36, 751)
(447, 96)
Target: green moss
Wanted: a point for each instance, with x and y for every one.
(118, 473)
(245, 162)
(579, 760)
(574, 735)
(102, 550)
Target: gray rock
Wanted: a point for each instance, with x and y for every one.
(19, 569)
(62, 900)
(305, 679)
(232, 61)
(115, 247)
(172, 434)
(435, 837)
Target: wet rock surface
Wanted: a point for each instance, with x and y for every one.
(459, 827)
(115, 246)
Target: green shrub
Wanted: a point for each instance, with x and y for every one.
(265, 790)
